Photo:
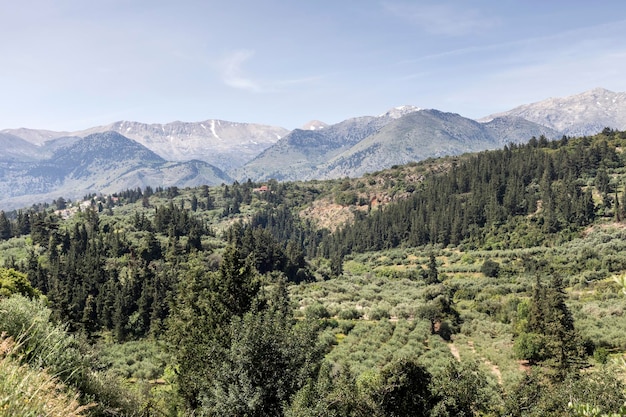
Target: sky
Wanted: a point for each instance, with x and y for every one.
(67, 65)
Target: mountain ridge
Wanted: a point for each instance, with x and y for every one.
(217, 151)
(100, 163)
(576, 115)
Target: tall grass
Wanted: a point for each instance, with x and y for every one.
(25, 392)
(44, 345)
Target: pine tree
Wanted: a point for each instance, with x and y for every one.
(5, 227)
(549, 336)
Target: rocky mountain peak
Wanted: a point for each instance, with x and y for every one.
(399, 111)
(582, 114)
(314, 125)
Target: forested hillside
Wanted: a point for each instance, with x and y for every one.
(482, 284)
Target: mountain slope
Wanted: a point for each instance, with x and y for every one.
(35, 136)
(226, 145)
(298, 155)
(578, 115)
(394, 138)
(101, 163)
(16, 149)
(414, 137)
(513, 129)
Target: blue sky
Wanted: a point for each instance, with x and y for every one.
(73, 64)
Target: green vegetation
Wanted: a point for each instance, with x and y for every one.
(475, 285)
(31, 393)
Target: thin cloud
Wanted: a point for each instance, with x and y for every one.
(233, 75)
(442, 19)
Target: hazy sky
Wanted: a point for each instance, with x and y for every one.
(73, 64)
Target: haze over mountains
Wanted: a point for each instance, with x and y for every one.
(40, 165)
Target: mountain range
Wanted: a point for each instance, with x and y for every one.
(41, 165)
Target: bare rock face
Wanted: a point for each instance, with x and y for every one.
(314, 125)
(226, 145)
(578, 115)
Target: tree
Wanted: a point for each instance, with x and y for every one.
(463, 389)
(5, 227)
(432, 274)
(602, 181)
(151, 248)
(199, 325)
(269, 359)
(548, 335)
(439, 310)
(14, 282)
(405, 389)
(60, 203)
(336, 265)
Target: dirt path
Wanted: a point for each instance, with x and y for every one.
(454, 351)
(492, 367)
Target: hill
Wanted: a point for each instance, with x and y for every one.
(100, 163)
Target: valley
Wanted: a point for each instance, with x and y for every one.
(489, 283)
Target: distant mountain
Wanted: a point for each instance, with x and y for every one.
(16, 149)
(578, 115)
(513, 129)
(34, 136)
(226, 145)
(314, 125)
(300, 154)
(37, 164)
(101, 163)
(397, 137)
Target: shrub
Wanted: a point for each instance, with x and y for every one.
(45, 345)
(490, 268)
(13, 282)
(350, 314)
(601, 355)
(378, 313)
(316, 311)
(42, 344)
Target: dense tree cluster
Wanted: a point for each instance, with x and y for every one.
(540, 180)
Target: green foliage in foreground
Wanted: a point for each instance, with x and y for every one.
(28, 392)
(41, 344)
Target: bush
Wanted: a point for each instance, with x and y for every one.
(378, 313)
(601, 355)
(13, 282)
(316, 311)
(350, 314)
(42, 344)
(490, 268)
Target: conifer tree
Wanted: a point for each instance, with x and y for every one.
(5, 227)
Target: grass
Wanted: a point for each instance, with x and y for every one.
(26, 392)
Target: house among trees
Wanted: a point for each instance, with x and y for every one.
(261, 189)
